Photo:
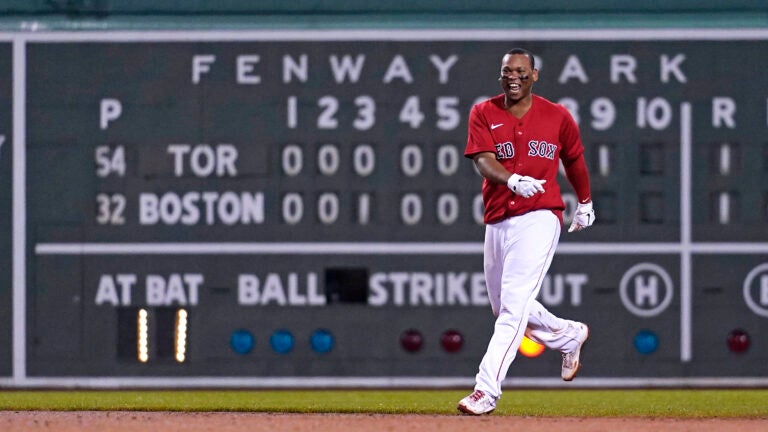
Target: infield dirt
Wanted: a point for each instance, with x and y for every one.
(130, 421)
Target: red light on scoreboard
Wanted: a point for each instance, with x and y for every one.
(738, 340)
(452, 340)
(411, 340)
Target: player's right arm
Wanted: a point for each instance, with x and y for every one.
(490, 168)
(481, 148)
(494, 172)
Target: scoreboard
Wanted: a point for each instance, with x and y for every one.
(265, 206)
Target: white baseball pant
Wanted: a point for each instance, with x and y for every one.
(517, 254)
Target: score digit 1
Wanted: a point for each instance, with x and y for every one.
(164, 329)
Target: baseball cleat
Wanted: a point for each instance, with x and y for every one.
(571, 363)
(477, 403)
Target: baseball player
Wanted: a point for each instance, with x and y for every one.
(516, 140)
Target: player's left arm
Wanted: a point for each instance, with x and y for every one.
(577, 174)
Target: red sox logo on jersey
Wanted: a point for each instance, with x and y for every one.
(541, 149)
(535, 149)
(505, 150)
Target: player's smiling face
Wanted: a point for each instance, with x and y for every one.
(517, 77)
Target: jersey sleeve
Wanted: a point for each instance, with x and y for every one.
(572, 155)
(569, 138)
(577, 174)
(479, 137)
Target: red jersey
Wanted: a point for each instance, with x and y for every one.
(529, 146)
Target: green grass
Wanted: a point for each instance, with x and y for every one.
(744, 403)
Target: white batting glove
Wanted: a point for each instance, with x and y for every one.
(525, 186)
(583, 217)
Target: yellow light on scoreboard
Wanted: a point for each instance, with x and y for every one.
(143, 336)
(181, 335)
(530, 348)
